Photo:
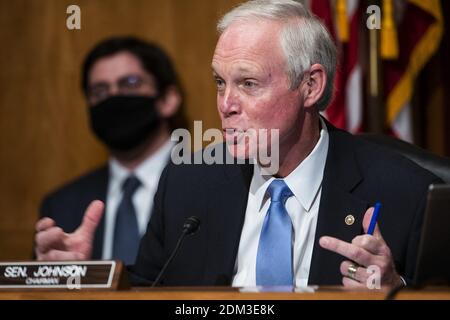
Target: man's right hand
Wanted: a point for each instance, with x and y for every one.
(52, 243)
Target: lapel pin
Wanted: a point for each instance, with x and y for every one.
(349, 220)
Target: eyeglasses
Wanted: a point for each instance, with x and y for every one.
(126, 85)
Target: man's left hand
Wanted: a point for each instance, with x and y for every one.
(364, 251)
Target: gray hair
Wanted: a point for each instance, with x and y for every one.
(304, 39)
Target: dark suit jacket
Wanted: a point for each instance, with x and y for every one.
(68, 204)
(357, 174)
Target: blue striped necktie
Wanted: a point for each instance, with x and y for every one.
(274, 257)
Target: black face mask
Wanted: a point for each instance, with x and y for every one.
(124, 122)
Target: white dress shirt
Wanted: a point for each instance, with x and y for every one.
(305, 182)
(148, 172)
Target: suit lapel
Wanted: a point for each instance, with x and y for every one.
(341, 177)
(226, 211)
(100, 186)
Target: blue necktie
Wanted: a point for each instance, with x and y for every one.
(274, 257)
(126, 231)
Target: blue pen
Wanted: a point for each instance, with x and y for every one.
(373, 221)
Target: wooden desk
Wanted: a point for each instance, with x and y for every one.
(222, 293)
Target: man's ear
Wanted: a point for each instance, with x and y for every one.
(169, 104)
(314, 85)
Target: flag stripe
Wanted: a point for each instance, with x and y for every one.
(427, 24)
(345, 111)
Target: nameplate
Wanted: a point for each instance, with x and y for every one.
(69, 275)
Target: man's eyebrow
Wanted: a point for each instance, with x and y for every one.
(242, 69)
(215, 73)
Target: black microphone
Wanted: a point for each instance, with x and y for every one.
(190, 226)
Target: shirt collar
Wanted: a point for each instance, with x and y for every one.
(147, 172)
(304, 181)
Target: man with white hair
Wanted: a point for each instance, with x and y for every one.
(274, 66)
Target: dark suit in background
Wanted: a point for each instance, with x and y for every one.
(357, 174)
(67, 205)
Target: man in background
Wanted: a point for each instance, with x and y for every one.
(134, 101)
